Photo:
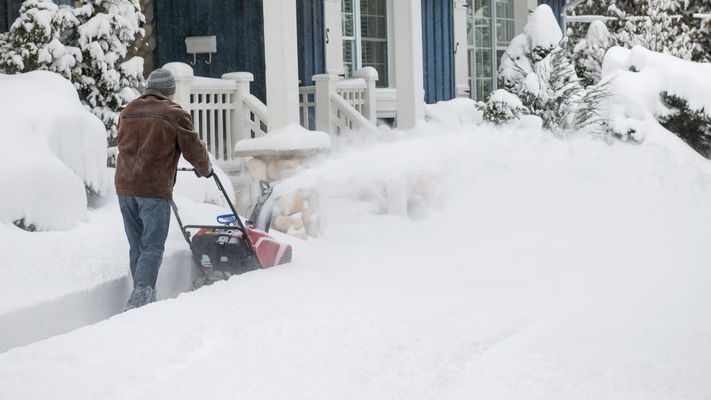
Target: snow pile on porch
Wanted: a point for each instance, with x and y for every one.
(293, 139)
(52, 149)
(638, 77)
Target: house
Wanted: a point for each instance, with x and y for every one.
(429, 50)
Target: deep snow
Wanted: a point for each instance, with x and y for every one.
(541, 268)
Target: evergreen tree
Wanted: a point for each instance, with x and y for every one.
(700, 28)
(590, 52)
(542, 76)
(659, 25)
(88, 44)
(35, 40)
(107, 28)
(691, 125)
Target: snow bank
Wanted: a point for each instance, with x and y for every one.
(638, 77)
(52, 148)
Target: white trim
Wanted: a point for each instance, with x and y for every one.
(333, 36)
(410, 70)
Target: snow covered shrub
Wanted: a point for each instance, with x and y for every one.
(657, 29)
(35, 40)
(88, 44)
(691, 125)
(538, 68)
(502, 107)
(589, 53)
(636, 106)
(667, 26)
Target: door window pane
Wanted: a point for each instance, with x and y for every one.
(365, 37)
(490, 28)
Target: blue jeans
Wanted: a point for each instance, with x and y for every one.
(146, 221)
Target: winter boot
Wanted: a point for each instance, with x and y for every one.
(141, 296)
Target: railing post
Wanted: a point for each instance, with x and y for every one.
(370, 109)
(240, 129)
(325, 88)
(183, 75)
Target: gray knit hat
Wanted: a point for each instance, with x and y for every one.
(161, 80)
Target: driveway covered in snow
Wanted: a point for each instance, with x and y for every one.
(552, 269)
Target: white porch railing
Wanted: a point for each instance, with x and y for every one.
(223, 110)
(335, 105)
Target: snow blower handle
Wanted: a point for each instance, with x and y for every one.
(212, 172)
(229, 202)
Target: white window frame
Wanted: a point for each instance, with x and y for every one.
(358, 39)
(494, 46)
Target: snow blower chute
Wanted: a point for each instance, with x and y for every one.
(232, 247)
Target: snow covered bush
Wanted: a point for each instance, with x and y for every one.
(691, 125)
(502, 107)
(53, 152)
(538, 68)
(590, 52)
(649, 87)
(88, 44)
(667, 26)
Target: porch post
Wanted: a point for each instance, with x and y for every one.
(409, 73)
(240, 130)
(370, 109)
(325, 88)
(282, 62)
(461, 43)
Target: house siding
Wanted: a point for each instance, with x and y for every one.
(438, 49)
(9, 10)
(311, 47)
(237, 25)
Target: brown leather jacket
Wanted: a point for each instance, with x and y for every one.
(152, 133)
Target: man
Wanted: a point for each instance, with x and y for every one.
(153, 132)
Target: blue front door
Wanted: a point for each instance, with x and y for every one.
(438, 49)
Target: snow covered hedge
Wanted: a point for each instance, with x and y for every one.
(649, 87)
(53, 152)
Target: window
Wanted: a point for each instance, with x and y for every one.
(365, 36)
(490, 28)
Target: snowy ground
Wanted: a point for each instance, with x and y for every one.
(553, 269)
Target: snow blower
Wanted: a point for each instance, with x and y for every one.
(232, 247)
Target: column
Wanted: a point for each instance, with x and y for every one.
(409, 79)
(334, 34)
(282, 62)
(461, 43)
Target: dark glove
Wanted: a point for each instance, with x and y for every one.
(209, 174)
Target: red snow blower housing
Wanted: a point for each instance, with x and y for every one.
(232, 247)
